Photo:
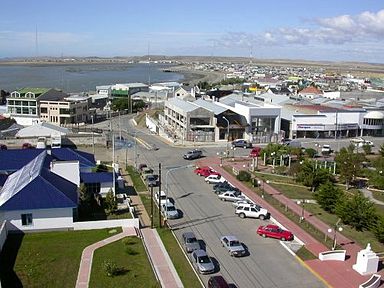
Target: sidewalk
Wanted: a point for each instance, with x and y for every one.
(87, 256)
(158, 255)
(335, 273)
(161, 262)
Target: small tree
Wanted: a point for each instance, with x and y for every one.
(110, 202)
(328, 195)
(379, 229)
(85, 198)
(357, 211)
(367, 149)
(381, 151)
(244, 176)
(310, 152)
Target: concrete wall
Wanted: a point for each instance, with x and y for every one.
(79, 140)
(90, 225)
(43, 219)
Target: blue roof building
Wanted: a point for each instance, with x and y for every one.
(34, 198)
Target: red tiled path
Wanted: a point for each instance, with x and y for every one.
(87, 255)
(160, 259)
(334, 273)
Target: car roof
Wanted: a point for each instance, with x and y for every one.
(189, 235)
(271, 226)
(231, 238)
(220, 280)
(200, 253)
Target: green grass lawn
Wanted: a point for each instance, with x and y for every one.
(293, 192)
(136, 179)
(48, 259)
(129, 256)
(378, 195)
(183, 268)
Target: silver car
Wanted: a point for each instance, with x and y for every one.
(190, 242)
(202, 262)
(233, 245)
(170, 210)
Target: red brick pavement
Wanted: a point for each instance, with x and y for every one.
(334, 273)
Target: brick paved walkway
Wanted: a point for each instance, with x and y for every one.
(334, 273)
(87, 255)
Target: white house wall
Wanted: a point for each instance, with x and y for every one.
(57, 218)
(69, 170)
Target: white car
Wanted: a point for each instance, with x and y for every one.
(214, 179)
(163, 199)
(252, 211)
(170, 211)
(232, 196)
(326, 149)
(245, 201)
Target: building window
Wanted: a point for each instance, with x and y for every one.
(26, 219)
(43, 110)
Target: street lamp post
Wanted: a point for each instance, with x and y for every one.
(220, 154)
(261, 183)
(227, 131)
(336, 228)
(301, 203)
(233, 155)
(93, 137)
(166, 185)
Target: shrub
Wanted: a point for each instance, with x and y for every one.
(111, 268)
(244, 176)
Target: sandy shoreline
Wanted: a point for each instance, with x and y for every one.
(192, 76)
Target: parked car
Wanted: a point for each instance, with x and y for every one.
(326, 149)
(205, 171)
(255, 152)
(241, 143)
(245, 201)
(152, 180)
(190, 242)
(169, 210)
(233, 245)
(3, 147)
(163, 198)
(212, 179)
(27, 146)
(202, 262)
(142, 166)
(231, 196)
(252, 211)
(217, 282)
(225, 183)
(275, 231)
(222, 189)
(193, 154)
(146, 171)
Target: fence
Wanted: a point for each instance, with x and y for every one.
(90, 225)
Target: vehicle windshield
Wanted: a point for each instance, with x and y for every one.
(191, 240)
(170, 208)
(204, 259)
(235, 243)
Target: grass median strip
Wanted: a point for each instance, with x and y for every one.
(136, 179)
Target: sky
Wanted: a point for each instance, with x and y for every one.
(326, 30)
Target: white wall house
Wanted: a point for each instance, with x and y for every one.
(69, 170)
(34, 198)
(38, 219)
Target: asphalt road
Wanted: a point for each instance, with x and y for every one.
(268, 264)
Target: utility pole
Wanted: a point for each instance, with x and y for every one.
(152, 206)
(159, 195)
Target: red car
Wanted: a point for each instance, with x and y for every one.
(255, 152)
(205, 171)
(3, 147)
(27, 146)
(217, 282)
(275, 231)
